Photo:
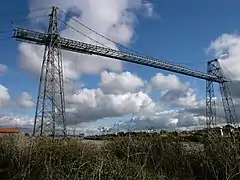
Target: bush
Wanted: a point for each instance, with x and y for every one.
(128, 157)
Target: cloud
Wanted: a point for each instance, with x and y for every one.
(200, 110)
(188, 120)
(234, 87)
(31, 57)
(226, 49)
(23, 122)
(88, 105)
(149, 9)
(117, 94)
(4, 96)
(86, 128)
(3, 69)
(71, 87)
(180, 98)
(113, 83)
(169, 120)
(120, 94)
(25, 100)
(92, 104)
(173, 92)
(116, 22)
(169, 82)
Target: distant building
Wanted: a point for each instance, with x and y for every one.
(4, 131)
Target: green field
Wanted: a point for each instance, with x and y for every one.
(144, 157)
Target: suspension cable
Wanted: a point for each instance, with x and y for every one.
(82, 33)
(120, 45)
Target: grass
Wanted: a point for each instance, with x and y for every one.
(146, 157)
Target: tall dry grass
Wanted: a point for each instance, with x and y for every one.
(148, 157)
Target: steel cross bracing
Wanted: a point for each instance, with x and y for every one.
(210, 98)
(229, 110)
(50, 106)
(80, 47)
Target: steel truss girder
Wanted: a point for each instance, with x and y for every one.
(80, 47)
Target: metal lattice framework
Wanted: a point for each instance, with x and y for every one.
(210, 99)
(50, 107)
(89, 49)
(214, 69)
(50, 103)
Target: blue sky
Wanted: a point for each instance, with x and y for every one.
(180, 31)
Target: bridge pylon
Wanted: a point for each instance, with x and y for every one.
(50, 107)
(214, 69)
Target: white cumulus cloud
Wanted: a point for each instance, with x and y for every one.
(173, 92)
(113, 83)
(226, 49)
(168, 120)
(4, 96)
(25, 100)
(169, 82)
(116, 22)
(92, 104)
(11, 120)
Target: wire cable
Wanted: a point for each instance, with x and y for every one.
(99, 33)
(231, 74)
(82, 33)
(179, 63)
(92, 30)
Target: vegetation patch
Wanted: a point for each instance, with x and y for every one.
(152, 156)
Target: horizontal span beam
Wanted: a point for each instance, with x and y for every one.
(80, 47)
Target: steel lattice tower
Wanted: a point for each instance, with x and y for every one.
(50, 107)
(214, 68)
(210, 99)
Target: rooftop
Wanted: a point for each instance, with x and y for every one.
(9, 130)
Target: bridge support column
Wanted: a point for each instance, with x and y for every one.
(210, 97)
(214, 68)
(50, 116)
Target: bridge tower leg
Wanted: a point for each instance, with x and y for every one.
(210, 96)
(50, 107)
(214, 68)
